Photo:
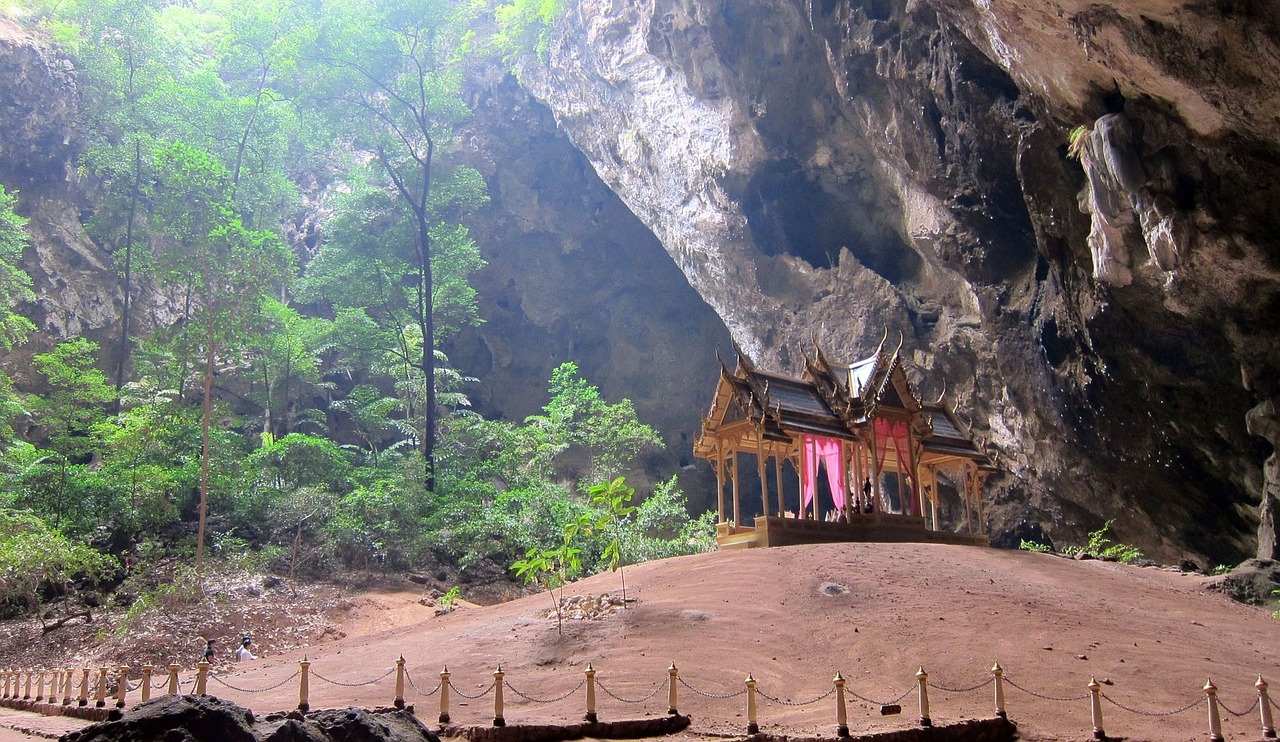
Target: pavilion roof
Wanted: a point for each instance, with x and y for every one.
(835, 400)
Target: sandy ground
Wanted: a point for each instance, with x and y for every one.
(792, 618)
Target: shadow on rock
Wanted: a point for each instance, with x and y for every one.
(210, 719)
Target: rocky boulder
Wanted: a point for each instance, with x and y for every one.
(206, 718)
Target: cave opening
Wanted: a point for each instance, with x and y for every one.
(791, 213)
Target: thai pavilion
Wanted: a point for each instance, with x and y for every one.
(868, 454)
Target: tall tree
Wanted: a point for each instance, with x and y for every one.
(227, 268)
(393, 82)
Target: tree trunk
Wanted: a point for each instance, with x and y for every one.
(122, 353)
(205, 452)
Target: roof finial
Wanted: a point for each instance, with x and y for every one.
(942, 393)
(883, 338)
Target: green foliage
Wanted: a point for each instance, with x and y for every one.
(449, 600)
(1101, 546)
(1221, 569)
(15, 284)
(1076, 139)
(1037, 547)
(33, 554)
(525, 27)
(78, 391)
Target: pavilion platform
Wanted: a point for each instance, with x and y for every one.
(861, 527)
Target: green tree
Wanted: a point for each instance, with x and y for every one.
(285, 357)
(33, 554)
(15, 284)
(393, 84)
(78, 389)
(225, 268)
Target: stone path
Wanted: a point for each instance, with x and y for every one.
(24, 725)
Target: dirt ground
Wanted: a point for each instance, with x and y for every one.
(792, 618)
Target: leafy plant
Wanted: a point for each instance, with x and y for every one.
(553, 568)
(1100, 546)
(611, 499)
(1035, 546)
(1076, 139)
(449, 600)
(1221, 569)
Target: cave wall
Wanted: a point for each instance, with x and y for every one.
(1105, 318)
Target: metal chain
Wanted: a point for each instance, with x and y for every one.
(318, 676)
(715, 696)
(259, 690)
(796, 703)
(873, 702)
(616, 697)
(132, 686)
(1140, 712)
(164, 681)
(1043, 696)
(483, 693)
(531, 699)
(970, 689)
(1246, 712)
(414, 685)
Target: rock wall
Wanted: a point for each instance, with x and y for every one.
(1103, 312)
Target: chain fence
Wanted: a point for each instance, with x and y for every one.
(1045, 696)
(560, 697)
(620, 699)
(256, 690)
(482, 693)
(1172, 712)
(1246, 712)
(784, 702)
(874, 702)
(713, 696)
(967, 689)
(414, 685)
(362, 683)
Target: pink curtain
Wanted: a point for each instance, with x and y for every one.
(897, 431)
(827, 451)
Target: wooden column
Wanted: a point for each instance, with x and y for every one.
(764, 482)
(737, 508)
(967, 480)
(720, 480)
(875, 471)
(777, 480)
(914, 463)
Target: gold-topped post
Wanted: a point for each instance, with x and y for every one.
(40, 685)
(1264, 705)
(100, 698)
(498, 719)
(444, 695)
(1215, 719)
(1095, 709)
(68, 678)
(923, 678)
(146, 682)
(998, 673)
(122, 686)
(5, 675)
(173, 678)
(84, 688)
(591, 694)
(54, 676)
(202, 674)
(671, 689)
(26, 693)
(399, 702)
(304, 685)
(842, 714)
(752, 726)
